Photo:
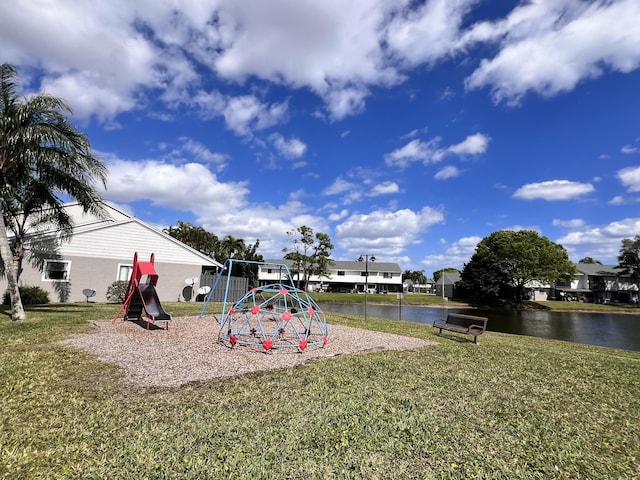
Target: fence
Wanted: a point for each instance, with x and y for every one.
(238, 287)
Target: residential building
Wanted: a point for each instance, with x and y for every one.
(101, 251)
(446, 286)
(344, 276)
(598, 283)
(410, 287)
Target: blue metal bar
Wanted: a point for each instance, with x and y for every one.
(213, 289)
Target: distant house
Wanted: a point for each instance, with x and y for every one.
(598, 283)
(448, 283)
(538, 291)
(411, 287)
(592, 283)
(101, 251)
(344, 276)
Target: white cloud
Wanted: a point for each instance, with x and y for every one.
(336, 216)
(412, 134)
(629, 149)
(563, 42)
(342, 102)
(89, 96)
(201, 153)
(600, 242)
(292, 148)
(339, 186)
(428, 33)
(386, 233)
(92, 53)
(553, 190)
(265, 222)
(331, 47)
(472, 145)
(415, 150)
(630, 178)
(447, 172)
(106, 57)
(617, 200)
(384, 188)
(177, 186)
(219, 207)
(456, 255)
(573, 223)
(430, 151)
(246, 113)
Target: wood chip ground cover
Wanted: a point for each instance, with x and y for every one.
(189, 351)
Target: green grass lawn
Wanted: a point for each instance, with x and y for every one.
(512, 407)
(422, 299)
(418, 299)
(589, 307)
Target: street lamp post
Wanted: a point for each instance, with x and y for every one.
(366, 259)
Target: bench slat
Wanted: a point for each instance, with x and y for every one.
(462, 323)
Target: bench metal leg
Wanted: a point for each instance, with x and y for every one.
(475, 339)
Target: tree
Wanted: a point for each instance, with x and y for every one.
(196, 237)
(236, 248)
(43, 158)
(310, 254)
(629, 259)
(222, 250)
(416, 276)
(506, 261)
(483, 281)
(590, 260)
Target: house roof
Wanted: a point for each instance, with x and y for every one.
(595, 269)
(118, 235)
(450, 278)
(352, 265)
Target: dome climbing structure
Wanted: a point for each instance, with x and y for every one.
(272, 316)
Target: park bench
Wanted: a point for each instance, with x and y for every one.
(460, 323)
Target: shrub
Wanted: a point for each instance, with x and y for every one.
(117, 291)
(30, 296)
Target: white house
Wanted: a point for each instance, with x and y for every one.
(100, 251)
(344, 276)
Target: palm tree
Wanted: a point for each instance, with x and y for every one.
(42, 158)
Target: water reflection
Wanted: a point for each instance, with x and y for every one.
(604, 329)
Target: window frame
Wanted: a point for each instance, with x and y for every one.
(121, 267)
(46, 271)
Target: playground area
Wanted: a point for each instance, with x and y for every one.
(190, 351)
(271, 327)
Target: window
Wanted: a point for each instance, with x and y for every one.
(56, 271)
(341, 273)
(387, 275)
(124, 272)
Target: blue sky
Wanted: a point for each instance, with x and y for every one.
(408, 130)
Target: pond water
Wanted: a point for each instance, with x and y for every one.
(604, 329)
